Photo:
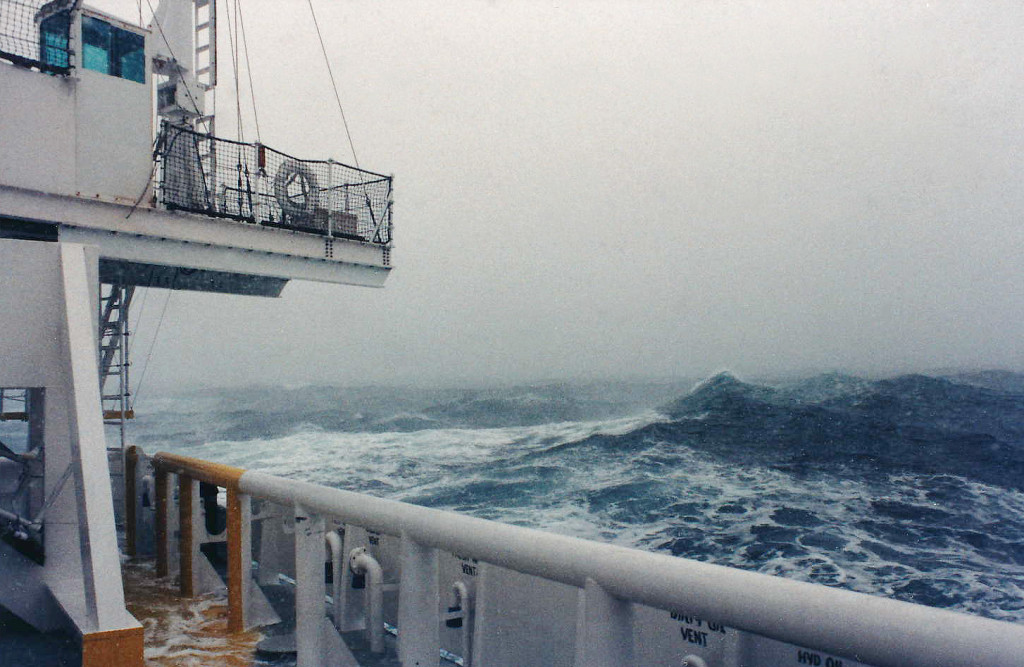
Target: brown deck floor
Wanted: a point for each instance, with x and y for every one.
(183, 632)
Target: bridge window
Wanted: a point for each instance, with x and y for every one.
(53, 39)
(111, 50)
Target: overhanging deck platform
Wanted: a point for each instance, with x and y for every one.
(148, 246)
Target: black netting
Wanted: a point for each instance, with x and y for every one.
(35, 33)
(257, 184)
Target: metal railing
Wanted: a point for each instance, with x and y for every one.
(556, 600)
(35, 33)
(255, 183)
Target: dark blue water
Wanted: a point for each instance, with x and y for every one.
(910, 487)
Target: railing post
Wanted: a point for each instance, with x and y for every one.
(309, 588)
(188, 545)
(239, 558)
(131, 499)
(363, 563)
(419, 639)
(604, 629)
(338, 569)
(347, 601)
(163, 543)
(277, 549)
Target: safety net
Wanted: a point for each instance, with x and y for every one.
(255, 183)
(35, 34)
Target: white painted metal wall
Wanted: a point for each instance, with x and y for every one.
(87, 134)
(114, 133)
(48, 341)
(37, 130)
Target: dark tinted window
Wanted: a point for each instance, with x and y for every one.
(53, 39)
(130, 55)
(114, 51)
(96, 44)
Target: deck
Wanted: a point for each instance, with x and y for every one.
(179, 632)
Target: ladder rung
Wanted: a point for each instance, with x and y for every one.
(202, 49)
(202, 3)
(116, 414)
(202, 26)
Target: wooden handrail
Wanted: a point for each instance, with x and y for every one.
(205, 471)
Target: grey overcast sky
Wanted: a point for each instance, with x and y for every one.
(609, 189)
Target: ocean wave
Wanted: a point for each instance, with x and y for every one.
(909, 487)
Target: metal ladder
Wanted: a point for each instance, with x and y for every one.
(205, 62)
(114, 387)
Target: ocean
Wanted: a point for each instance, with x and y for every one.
(910, 487)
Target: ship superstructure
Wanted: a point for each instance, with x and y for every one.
(112, 178)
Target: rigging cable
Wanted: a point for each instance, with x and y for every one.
(142, 309)
(248, 70)
(152, 344)
(188, 91)
(334, 85)
(181, 70)
(233, 43)
(341, 110)
(236, 37)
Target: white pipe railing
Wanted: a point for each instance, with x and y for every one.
(361, 562)
(338, 568)
(610, 579)
(463, 609)
(870, 629)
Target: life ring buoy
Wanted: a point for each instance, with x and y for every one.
(296, 189)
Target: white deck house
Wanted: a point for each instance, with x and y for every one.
(79, 165)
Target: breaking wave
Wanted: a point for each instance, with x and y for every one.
(910, 487)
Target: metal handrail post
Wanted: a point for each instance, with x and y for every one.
(309, 587)
(604, 629)
(418, 598)
(131, 460)
(347, 602)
